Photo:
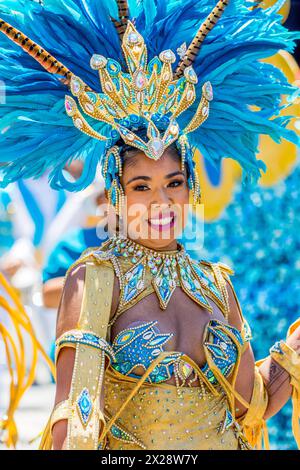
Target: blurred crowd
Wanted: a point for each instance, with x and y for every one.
(42, 232)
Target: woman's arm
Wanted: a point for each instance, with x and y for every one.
(245, 377)
(64, 372)
(277, 379)
(68, 315)
(68, 319)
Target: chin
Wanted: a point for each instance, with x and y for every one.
(157, 240)
(158, 243)
(154, 237)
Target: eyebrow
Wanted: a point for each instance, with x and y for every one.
(148, 178)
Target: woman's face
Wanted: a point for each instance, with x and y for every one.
(157, 198)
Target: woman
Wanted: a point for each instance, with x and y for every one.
(162, 357)
(159, 418)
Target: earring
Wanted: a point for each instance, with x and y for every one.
(196, 190)
(112, 171)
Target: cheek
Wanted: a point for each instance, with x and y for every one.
(181, 205)
(138, 197)
(182, 195)
(137, 203)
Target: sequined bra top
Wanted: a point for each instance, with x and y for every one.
(139, 346)
(141, 272)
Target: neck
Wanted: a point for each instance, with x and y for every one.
(171, 246)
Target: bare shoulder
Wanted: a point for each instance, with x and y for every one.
(71, 299)
(72, 295)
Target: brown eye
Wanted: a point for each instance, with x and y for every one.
(140, 187)
(175, 183)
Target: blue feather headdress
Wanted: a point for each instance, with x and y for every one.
(35, 129)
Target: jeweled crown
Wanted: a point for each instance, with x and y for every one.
(148, 95)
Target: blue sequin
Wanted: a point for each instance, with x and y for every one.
(139, 346)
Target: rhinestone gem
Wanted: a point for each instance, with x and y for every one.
(133, 38)
(205, 111)
(70, 106)
(85, 405)
(181, 51)
(130, 137)
(156, 147)
(140, 96)
(98, 62)
(76, 85)
(208, 91)
(190, 95)
(108, 87)
(89, 107)
(190, 75)
(167, 56)
(78, 123)
(174, 129)
(140, 80)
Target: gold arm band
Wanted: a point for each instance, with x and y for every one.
(86, 338)
(61, 411)
(86, 421)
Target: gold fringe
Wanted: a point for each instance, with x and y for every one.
(252, 422)
(16, 359)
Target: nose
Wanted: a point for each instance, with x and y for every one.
(161, 197)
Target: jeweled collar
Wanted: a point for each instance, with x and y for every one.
(167, 269)
(134, 251)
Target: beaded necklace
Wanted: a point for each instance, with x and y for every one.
(167, 269)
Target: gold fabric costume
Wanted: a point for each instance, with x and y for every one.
(143, 412)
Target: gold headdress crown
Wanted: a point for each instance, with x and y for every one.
(147, 96)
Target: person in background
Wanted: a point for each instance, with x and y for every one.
(69, 248)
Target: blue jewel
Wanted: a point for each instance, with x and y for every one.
(85, 405)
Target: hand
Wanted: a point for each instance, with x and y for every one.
(294, 339)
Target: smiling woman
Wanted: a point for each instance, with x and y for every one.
(152, 351)
(171, 381)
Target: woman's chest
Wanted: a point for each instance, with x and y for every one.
(144, 330)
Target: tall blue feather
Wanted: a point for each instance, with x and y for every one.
(36, 132)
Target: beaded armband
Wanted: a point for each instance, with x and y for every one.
(86, 422)
(289, 360)
(72, 337)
